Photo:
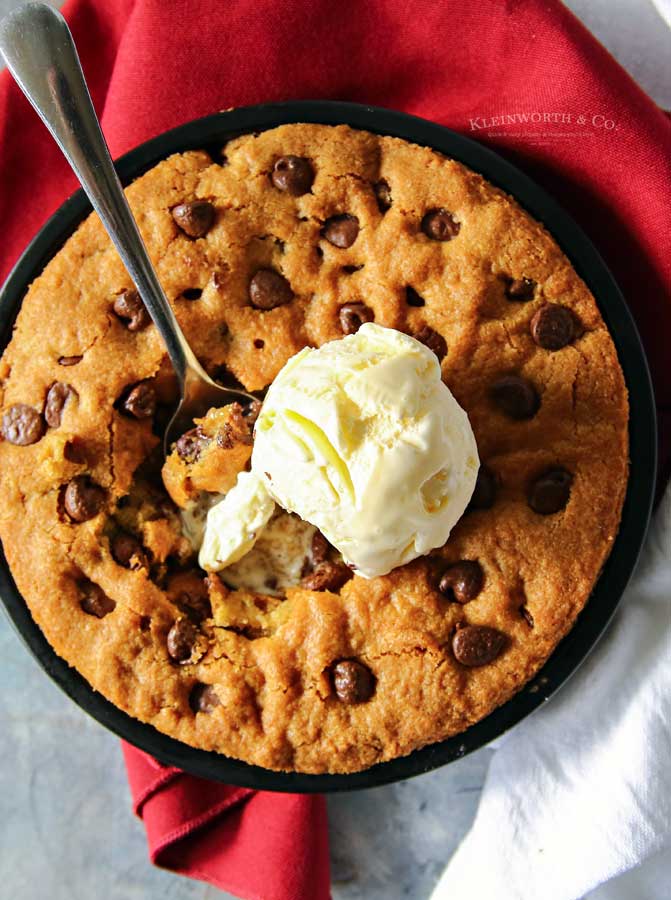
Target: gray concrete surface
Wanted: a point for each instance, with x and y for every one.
(66, 831)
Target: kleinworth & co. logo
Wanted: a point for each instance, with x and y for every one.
(544, 125)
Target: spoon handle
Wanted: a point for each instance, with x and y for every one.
(40, 53)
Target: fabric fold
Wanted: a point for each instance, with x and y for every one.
(258, 845)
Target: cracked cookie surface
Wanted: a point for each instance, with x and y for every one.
(303, 233)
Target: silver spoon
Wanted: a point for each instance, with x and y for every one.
(40, 53)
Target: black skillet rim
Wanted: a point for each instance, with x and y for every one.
(212, 132)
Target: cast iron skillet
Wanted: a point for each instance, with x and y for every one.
(212, 133)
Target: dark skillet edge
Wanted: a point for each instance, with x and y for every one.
(571, 651)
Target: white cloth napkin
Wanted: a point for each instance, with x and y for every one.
(579, 795)
(664, 9)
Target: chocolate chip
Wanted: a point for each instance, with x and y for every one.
(516, 397)
(203, 698)
(75, 450)
(57, 396)
(236, 431)
(477, 645)
(486, 486)
(352, 681)
(550, 492)
(95, 601)
(353, 315)
(83, 499)
(553, 326)
(195, 605)
(293, 174)
(412, 298)
(268, 289)
(191, 444)
(22, 425)
(433, 341)
(350, 270)
(440, 225)
(192, 294)
(326, 576)
(181, 640)
(526, 615)
(462, 581)
(520, 289)
(251, 411)
(69, 360)
(382, 193)
(341, 231)
(129, 307)
(140, 402)
(127, 551)
(319, 548)
(194, 218)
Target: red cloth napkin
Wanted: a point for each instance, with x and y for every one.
(258, 845)
(523, 76)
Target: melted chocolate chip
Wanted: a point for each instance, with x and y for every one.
(293, 174)
(251, 412)
(194, 218)
(192, 294)
(140, 401)
(433, 341)
(440, 225)
(477, 645)
(353, 682)
(237, 431)
(341, 231)
(181, 640)
(95, 601)
(412, 298)
(195, 605)
(382, 193)
(127, 551)
(22, 425)
(486, 486)
(203, 698)
(83, 499)
(131, 310)
(191, 444)
(353, 315)
(57, 396)
(326, 576)
(550, 492)
(75, 450)
(462, 581)
(520, 290)
(268, 289)
(69, 360)
(319, 548)
(553, 326)
(516, 397)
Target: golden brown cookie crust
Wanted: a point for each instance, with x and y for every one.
(276, 701)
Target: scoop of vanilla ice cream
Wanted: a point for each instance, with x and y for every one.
(362, 439)
(234, 524)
